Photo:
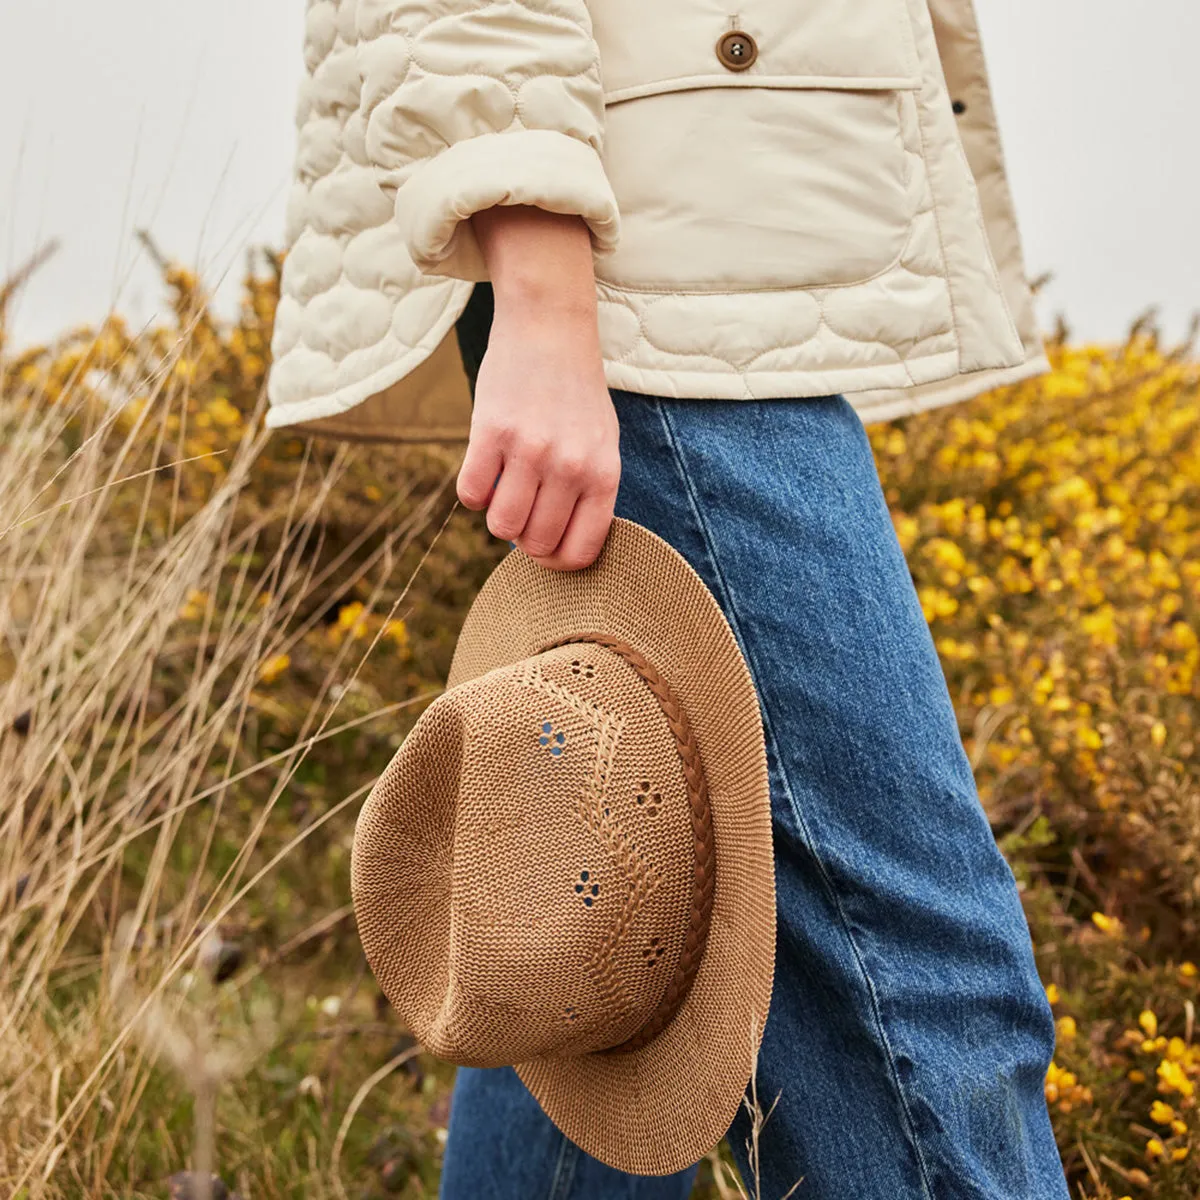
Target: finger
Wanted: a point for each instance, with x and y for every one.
(515, 493)
(478, 474)
(585, 534)
(547, 522)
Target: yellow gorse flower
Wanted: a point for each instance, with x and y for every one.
(1173, 1078)
(274, 667)
(195, 607)
(351, 621)
(1063, 1089)
(397, 631)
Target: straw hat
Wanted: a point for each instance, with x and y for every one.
(567, 866)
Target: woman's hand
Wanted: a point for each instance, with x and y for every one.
(543, 456)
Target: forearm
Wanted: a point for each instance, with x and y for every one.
(543, 456)
(539, 262)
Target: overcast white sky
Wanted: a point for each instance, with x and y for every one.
(176, 115)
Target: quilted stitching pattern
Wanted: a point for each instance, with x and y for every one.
(353, 304)
(392, 84)
(428, 78)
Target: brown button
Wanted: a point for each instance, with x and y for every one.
(737, 50)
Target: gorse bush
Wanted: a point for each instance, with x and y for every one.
(213, 639)
(1053, 530)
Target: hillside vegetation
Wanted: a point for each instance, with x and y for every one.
(212, 640)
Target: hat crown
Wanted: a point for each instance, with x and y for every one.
(569, 887)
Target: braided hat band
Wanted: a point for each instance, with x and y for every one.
(703, 851)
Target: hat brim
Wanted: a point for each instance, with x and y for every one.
(661, 1108)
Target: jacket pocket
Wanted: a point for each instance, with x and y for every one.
(796, 172)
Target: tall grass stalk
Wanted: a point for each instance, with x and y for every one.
(106, 766)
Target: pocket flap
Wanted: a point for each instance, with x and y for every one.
(653, 46)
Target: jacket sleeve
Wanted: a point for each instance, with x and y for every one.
(470, 104)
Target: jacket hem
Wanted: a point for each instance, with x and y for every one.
(294, 412)
(801, 383)
(876, 393)
(887, 406)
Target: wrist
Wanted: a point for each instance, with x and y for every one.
(540, 263)
(572, 334)
(545, 303)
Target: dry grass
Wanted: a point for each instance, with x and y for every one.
(155, 764)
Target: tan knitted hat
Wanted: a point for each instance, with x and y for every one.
(567, 866)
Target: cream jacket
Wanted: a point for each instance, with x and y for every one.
(790, 198)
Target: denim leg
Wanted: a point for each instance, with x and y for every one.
(909, 1034)
(501, 1146)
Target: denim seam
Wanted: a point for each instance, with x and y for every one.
(564, 1170)
(797, 813)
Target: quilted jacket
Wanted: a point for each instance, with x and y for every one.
(796, 198)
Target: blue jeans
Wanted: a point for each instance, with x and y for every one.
(909, 1035)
